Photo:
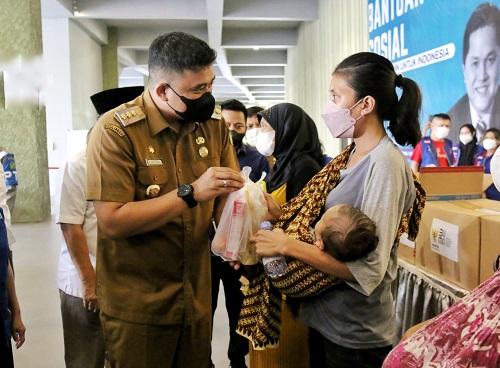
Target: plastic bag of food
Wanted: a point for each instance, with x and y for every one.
(243, 212)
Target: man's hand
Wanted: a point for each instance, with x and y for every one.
(90, 301)
(217, 181)
(18, 329)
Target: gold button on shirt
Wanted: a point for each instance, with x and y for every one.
(163, 276)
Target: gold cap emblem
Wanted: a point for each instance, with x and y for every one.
(203, 151)
(153, 191)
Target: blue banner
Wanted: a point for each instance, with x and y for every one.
(425, 41)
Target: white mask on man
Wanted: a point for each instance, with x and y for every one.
(442, 132)
(251, 136)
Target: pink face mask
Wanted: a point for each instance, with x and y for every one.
(339, 120)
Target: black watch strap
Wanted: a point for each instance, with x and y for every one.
(186, 192)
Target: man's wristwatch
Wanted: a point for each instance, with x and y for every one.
(186, 192)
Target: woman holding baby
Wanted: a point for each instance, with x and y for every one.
(352, 323)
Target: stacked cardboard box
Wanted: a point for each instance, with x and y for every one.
(459, 240)
(445, 183)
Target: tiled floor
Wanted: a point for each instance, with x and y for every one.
(35, 262)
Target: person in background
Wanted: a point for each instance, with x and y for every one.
(291, 136)
(436, 149)
(469, 152)
(82, 332)
(491, 142)
(253, 124)
(252, 119)
(9, 167)
(234, 114)
(11, 324)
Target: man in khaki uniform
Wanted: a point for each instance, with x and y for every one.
(157, 169)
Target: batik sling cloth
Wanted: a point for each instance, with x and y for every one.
(260, 314)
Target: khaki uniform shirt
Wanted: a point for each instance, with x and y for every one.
(163, 276)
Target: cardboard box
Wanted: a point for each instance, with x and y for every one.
(490, 245)
(406, 249)
(449, 239)
(452, 183)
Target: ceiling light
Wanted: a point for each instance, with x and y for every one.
(256, 48)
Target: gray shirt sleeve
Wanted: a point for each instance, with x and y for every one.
(384, 200)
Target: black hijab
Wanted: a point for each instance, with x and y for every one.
(296, 136)
(467, 150)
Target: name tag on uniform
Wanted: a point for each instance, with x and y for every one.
(154, 162)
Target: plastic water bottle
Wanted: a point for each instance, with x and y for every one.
(274, 266)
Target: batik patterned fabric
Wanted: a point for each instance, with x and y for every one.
(466, 335)
(260, 314)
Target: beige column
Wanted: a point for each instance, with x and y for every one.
(23, 126)
(110, 60)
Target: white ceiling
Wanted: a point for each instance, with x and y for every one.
(251, 37)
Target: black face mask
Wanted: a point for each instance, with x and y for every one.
(237, 138)
(198, 109)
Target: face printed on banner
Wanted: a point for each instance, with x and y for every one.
(481, 69)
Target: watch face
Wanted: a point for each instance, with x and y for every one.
(185, 190)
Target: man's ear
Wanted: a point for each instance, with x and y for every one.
(160, 90)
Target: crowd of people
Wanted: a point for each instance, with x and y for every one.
(138, 285)
(436, 150)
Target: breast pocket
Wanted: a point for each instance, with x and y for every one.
(200, 166)
(152, 181)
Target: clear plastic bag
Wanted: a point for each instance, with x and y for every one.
(243, 212)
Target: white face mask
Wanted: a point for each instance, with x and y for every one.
(442, 132)
(465, 138)
(489, 143)
(265, 143)
(251, 136)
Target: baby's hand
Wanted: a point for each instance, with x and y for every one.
(318, 242)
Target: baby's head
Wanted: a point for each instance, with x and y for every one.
(346, 233)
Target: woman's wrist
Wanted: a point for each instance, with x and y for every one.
(287, 247)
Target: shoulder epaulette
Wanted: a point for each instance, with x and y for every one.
(217, 113)
(130, 115)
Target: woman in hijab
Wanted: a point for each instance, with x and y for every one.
(469, 152)
(290, 135)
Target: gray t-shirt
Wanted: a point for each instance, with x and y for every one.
(360, 315)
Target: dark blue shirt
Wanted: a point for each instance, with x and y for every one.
(4, 302)
(491, 192)
(249, 156)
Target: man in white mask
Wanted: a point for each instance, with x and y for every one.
(436, 149)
